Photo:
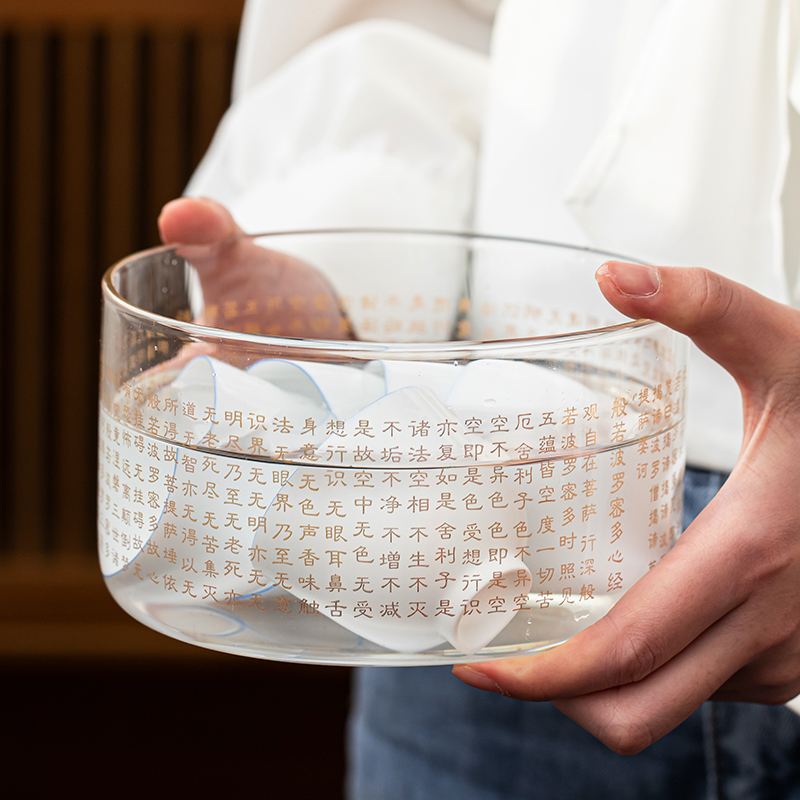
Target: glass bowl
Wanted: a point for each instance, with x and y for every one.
(381, 447)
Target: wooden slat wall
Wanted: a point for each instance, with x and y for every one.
(193, 15)
(24, 372)
(105, 109)
(77, 176)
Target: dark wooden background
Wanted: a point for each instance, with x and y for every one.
(106, 106)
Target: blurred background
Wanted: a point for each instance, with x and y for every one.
(106, 106)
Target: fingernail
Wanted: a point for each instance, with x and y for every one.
(635, 280)
(476, 678)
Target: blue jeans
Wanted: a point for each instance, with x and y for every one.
(419, 734)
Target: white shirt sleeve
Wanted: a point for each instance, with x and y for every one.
(376, 124)
(273, 31)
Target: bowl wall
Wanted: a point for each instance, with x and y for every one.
(377, 447)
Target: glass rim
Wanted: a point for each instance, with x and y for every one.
(368, 349)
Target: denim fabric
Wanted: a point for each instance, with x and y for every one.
(420, 734)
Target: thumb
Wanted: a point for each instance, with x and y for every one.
(745, 332)
(189, 220)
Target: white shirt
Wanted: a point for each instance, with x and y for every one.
(657, 128)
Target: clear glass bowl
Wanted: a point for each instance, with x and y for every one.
(381, 447)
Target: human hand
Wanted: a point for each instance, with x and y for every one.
(719, 616)
(260, 290)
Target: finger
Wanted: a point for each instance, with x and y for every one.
(774, 675)
(195, 221)
(742, 330)
(697, 583)
(630, 718)
(723, 563)
(744, 690)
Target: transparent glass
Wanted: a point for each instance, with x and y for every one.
(381, 447)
